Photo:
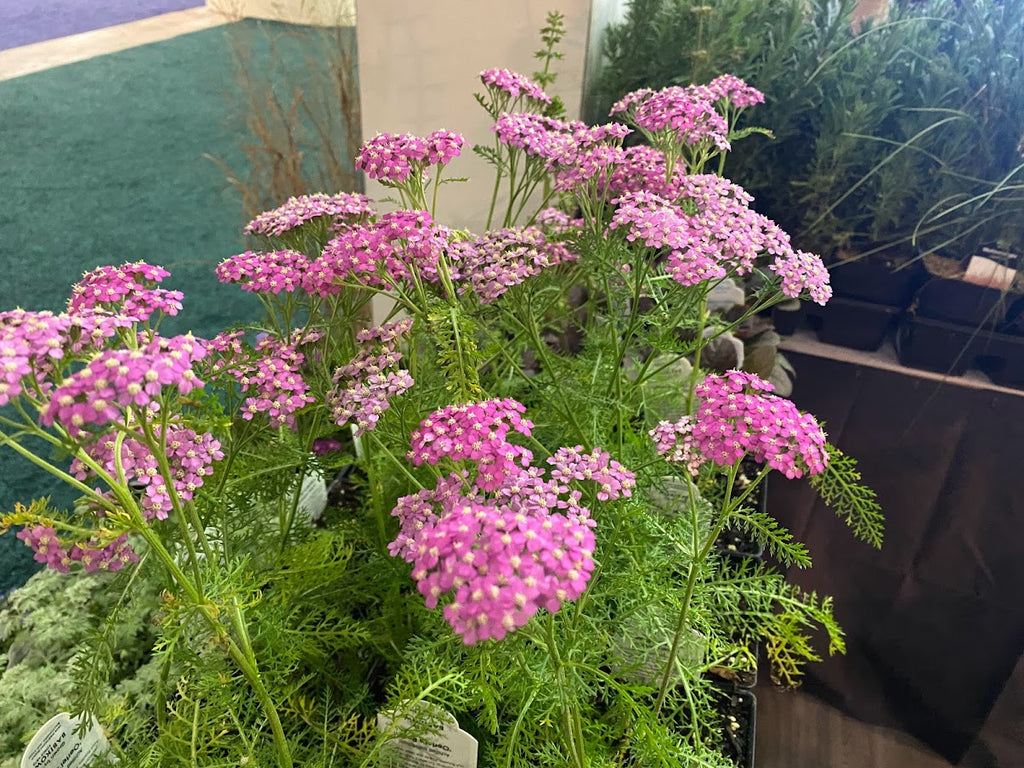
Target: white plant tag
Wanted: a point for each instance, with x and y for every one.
(57, 745)
(989, 273)
(441, 743)
(312, 497)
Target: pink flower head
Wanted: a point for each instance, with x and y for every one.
(513, 84)
(49, 550)
(393, 158)
(298, 210)
(104, 556)
(498, 260)
(539, 137)
(675, 442)
(272, 379)
(189, 458)
(380, 253)
(613, 480)
(735, 91)
(368, 383)
(118, 379)
(675, 115)
(499, 564)
(474, 431)
(127, 290)
(737, 416)
(801, 271)
(272, 272)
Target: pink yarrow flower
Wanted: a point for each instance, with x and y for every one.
(735, 91)
(273, 272)
(497, 561)
(393, 158)
(736, 417)
(118, 379)
(490, 264)
(513, 84)
(297, 211)
(380, 253)
(128, 290)
(366, 386)
(190, 457)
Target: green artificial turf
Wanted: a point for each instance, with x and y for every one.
(104, 162)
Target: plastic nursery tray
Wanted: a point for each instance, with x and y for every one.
(935, 345)
(956, 301)
(877, 282)
(854, 324)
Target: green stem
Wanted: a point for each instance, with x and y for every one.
(571, 723)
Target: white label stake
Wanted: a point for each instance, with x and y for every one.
(441, 745)
(57, 745)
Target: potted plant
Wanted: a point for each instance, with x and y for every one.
(511, 576)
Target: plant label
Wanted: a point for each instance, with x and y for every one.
(60, 744)
(312, 498)
(438, 743)
(987, 272)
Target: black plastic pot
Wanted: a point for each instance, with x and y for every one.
(956, 301)
(741, 678)
(787, 321)
(877, 280)
(1001, 357)
(935, 345)
(853, 323)
(739, 723)
(1014, 322)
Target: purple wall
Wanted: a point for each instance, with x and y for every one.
(30, 21)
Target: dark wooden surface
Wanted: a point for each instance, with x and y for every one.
(797, 730)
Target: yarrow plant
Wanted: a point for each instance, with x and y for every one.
(510, 520)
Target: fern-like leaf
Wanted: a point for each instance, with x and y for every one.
(766, 530)
(840, 487)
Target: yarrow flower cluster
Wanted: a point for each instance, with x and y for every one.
(512, 543)
(736, 417)
(612, 478)
(189, 457)
(501, 564)
(298, 210)
(366, 385)
(272, 272)
(537, 136)
(476, 431)
(734, 91)
(393, 158)
(117, 379)
(676, 115)
(32, 344)
(513, 84)
(380, 253)
(128, 290)
(94, 554)
(270, 376)
(492, 263)
(801, 271)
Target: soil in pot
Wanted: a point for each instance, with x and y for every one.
(737, 710)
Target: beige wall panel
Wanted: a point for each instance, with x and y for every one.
(418, 68)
